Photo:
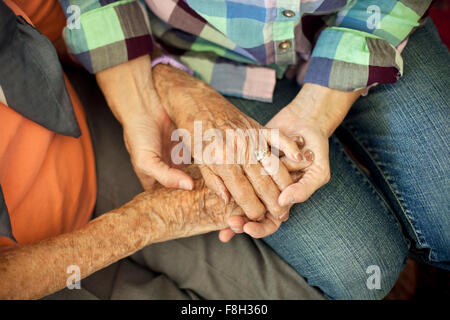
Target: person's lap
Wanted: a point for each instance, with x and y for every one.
(402, 133)
(353, 222)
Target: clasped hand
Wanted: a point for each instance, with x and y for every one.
(170, 98)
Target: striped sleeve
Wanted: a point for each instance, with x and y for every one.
(103, 33)
(359, 48)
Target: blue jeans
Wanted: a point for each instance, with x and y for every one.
(400, 132)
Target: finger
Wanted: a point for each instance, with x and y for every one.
(277, 170)
(285, 217)
(308, 159)
(240, 189)
(265, 188)
(303, 189)
(152, 165)
(226, 235)
(283, 143)
(262, 229)
(299, 140)
(215, 183)
(236, 223)
(297, 175)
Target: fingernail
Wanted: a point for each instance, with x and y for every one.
(185, 184)
(300, 141)
(309, 155)
(299, 156)
(236, 230)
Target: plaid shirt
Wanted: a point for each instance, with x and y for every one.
(240, 47)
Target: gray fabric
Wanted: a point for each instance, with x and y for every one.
(31, 76)
(199, 267)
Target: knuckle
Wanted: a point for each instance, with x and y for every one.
(275, 211)
(278, 212)
(257, 212)
(239, 185)
(274, 208)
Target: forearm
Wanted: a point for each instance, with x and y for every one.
(129, 90)
(36, 270)
(323, 107)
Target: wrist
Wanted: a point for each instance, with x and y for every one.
(323, 107)
(129, 91)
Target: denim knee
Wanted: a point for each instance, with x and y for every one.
(344, 240)
(401, 132)
(357, 278)
(343, 266)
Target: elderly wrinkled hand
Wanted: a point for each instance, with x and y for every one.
(254, 185)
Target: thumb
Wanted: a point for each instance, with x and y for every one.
(152, 165)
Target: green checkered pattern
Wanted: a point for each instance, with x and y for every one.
(240, 47)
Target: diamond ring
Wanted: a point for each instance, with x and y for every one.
(262, 154)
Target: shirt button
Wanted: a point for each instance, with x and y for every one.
(288, 13)
(284, 45)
